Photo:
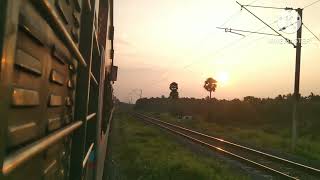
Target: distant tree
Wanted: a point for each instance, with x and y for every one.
(279, 97)
(210, 85)
(251, 99)
(288, 96)
(174, 90)
(163, 97)
(311, 96)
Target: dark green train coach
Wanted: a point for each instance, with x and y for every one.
(56, 75)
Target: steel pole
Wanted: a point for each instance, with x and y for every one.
(296, 82)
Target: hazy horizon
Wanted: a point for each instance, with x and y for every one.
(161, 42)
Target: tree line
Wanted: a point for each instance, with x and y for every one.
(250, 110)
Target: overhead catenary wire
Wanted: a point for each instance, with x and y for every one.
(285, 27)
(311, 4)
(269, 7)
(311, 32)
(248, 43)
(235, 14)
(218, 51)
(230, 30)
(287, 40)
(230, 44)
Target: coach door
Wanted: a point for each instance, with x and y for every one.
(40, 58)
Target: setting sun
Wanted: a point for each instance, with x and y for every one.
(223, 78)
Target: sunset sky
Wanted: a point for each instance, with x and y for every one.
(158, 42)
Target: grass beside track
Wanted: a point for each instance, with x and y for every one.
(139, 151)
(272, 137)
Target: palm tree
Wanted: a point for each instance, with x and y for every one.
(210, 85)
(174, 90)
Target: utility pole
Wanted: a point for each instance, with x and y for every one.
(298, 46)
(297, 82)
(140, 93)
(137, 92)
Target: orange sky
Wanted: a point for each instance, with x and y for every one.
(158, 42)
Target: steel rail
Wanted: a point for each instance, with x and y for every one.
(224, 151)
(24, 154)
(289, 162)
(55, 22)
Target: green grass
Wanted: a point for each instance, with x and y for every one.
(140, 151)
(262, 136)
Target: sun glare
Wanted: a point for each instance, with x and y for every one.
(223, 78)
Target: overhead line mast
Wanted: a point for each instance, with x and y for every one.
(287, 40)
(297, 46)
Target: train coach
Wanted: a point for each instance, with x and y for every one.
(56, 76)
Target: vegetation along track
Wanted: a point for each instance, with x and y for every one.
(275, 165)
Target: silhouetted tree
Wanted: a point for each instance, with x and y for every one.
(311, 96)
(210, 85)
(279, 97)
(174, 90)
(251, 99)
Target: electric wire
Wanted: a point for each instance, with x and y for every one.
(285, 27)
(288, 40)
(311, 4)
(311, 32)
(230, 44)
(230, 30)
(235, 14)
(268, 7)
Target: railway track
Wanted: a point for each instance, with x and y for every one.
(274, 165)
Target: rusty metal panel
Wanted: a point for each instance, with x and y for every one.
(57, 77)
(28, 62)
(62, 9)
(69, 13)
(25, 97)
(68, 118)
(30, 26)
(58, 55)
(54, 123)
(24, 80)
(31, 170)
(52, 160)
(51, 170)
(37, 87)
(77, 4)
(22, 133)
(55, 100)
(76, 18)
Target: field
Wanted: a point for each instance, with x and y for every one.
(263, 123)
(261, 136)
(140, 151)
